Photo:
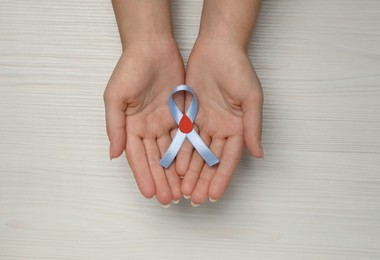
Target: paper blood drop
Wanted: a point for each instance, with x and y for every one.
(185, 125)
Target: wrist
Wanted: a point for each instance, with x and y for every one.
(145, 34)
(216, 54)
(223, 37)
(143, 20)
(154, 51)
(219, 44)
(150, 41)
(229, 21)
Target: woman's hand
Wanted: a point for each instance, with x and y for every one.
(230, 111)
(137, 114)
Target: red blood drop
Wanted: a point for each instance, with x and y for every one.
(185, 125)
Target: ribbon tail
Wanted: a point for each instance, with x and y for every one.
(202, 148)
(173, 149)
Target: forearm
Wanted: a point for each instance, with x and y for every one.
(229, 21)
(143, 20)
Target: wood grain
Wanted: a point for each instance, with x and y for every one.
(315, 196)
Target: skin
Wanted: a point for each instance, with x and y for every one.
(137, 117)
(219, 70)
(230, 97)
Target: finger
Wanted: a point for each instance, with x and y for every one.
(171, 175)
(172, 133)
(115, 121)
(252, 117)
(200, 192)
(229, 160)
(163, 192)
(194, 170)
(192, 175)
(184, 157)
(138, 162)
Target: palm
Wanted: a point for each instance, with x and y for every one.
(141, 83)
(225, 83)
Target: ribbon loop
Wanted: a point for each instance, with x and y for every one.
(186, 130)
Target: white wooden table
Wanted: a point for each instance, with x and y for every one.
(315, 196)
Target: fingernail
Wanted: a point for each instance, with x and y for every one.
(194, 204)
(110, 153)
(212, 200)
(165, 206)
(175, 201)
(261, 151)
(186, 197)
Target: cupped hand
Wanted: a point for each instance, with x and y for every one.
(137, 114)
(229, 115)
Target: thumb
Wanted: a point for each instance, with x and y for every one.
(115, 121)
(252, 116)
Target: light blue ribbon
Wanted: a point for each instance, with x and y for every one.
(180, 137)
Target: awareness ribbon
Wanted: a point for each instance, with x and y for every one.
(186, 130)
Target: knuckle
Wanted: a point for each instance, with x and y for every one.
(256, 96)
(112, 94)
(107, 96)
(152, 163)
